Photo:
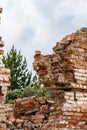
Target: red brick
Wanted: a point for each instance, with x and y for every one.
(2, 128)
(35, 117)
(84, 114)
(44, 109)
(81, 127)
(74, 117)
(38, 121)
(26, 129)
(83, 118)
(77, 114)
(44, 72)
(42, 100)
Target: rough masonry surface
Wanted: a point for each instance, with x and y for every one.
(66, 69)
(4, 74)
(65, 74)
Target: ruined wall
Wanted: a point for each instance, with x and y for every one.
(4, 74)
(67, 67)
(66, 70)
(65, 113)
(32, 113)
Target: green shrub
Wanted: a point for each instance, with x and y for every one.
(27, 92)
(34, 91)
(13, 94)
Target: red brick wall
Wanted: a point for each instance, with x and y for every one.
(68, 111)
(65, 70)
(67, 67)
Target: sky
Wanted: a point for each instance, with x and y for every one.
(32, 25)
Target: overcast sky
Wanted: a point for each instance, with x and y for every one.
(38, 24)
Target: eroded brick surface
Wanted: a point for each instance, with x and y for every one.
(4, 74)
(67, 67)
(63, 113)
(4, 77)
(65, 70)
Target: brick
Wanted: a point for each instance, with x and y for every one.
(35, 117)
(42, 100)
(83, 119)
(68, 113)
(77, 114)
(44, 72)
(44, 109)
(69, 117)
(52, 109)
(26, 128)
(38, 121)
(2, 128)
(84, 114)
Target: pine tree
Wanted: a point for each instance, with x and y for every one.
(20, 76)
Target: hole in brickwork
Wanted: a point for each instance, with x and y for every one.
(75, 99)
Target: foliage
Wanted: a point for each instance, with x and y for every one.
(35, 89)
(35, 82)
(22, 82)
(20, 77)
(27, 92)
(13, 94)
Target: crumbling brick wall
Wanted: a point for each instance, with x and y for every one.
(65, 74)
(68, 64)
(4, 74)
(66, 70)
(65, 113)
